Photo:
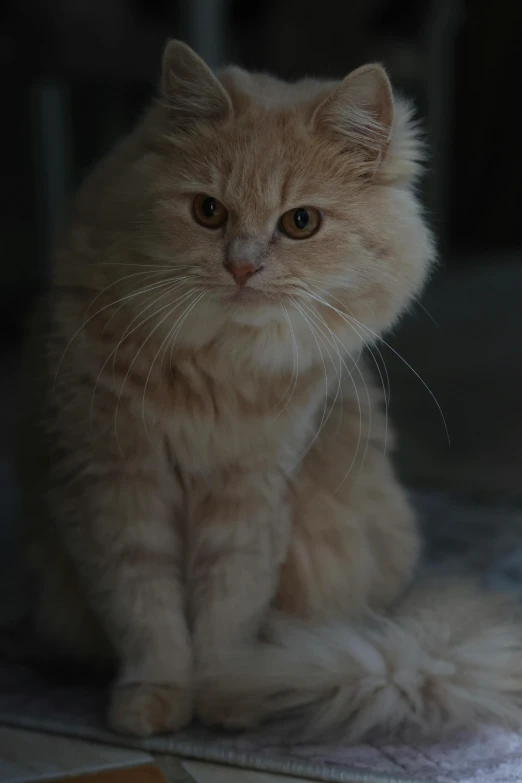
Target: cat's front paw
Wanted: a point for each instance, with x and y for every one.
(143, 709)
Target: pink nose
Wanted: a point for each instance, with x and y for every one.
(241, 271)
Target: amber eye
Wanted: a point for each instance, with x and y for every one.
(300, 223)
(209, 211)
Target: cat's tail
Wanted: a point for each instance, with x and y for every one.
(449, 656)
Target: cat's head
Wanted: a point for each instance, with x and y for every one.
(265, 197)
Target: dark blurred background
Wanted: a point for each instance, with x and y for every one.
(77, 73)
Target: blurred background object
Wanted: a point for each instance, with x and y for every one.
(77, 74)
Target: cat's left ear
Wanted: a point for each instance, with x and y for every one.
(190, 90)
(360, 110)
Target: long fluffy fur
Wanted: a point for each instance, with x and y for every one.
(193, 455)
(449, 656)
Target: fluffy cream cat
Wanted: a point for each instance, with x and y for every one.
(209, 504)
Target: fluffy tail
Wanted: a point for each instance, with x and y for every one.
(449, 656)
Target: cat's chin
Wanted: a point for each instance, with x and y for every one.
(258, 318)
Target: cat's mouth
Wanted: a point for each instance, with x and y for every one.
(244, 295)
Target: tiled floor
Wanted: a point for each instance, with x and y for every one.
(213, 773)
(27, 756)
(30, 756)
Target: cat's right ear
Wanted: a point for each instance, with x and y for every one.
(189, 90)
(360, 111)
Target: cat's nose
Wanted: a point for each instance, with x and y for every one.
(241, 271)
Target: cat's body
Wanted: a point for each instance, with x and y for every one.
(204, 441)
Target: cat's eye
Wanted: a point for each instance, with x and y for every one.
(209, 212)
(300, 223)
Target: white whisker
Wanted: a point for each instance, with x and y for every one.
(119, 281)
(128, 331)
(359, 407)
(295, 366)
(169, 291)
(153, 331)
(159, 267)
(88, 320)
(321, 423)
(179, 321)
(145, 290)
(175, 336)
(413, 297)
(376, 336)
(386, 389)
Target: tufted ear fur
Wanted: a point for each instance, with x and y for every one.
(190, 91)
(360, 110)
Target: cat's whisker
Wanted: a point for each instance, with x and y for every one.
(370, 348)
(397, 354)
(128, 331)
(375, 346)
(171, 361)
(326, 340)
(295, 366)
(146, 289)
(412, 296)
(359, 438)
(339, 390)
(159, 267)
(125, 334)
(359, 408)
(88, 320)
(322, 422)
(153, 331)
(386, 389)
(334, 341)
(422, 307)
(376, 336)
(114, 283)
(182, 318)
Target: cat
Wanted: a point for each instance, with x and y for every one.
(210, 511)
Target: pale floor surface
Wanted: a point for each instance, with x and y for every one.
(27, 756)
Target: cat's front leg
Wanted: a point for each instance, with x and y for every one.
(139, 595)
(116, 519)
(238, 537)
